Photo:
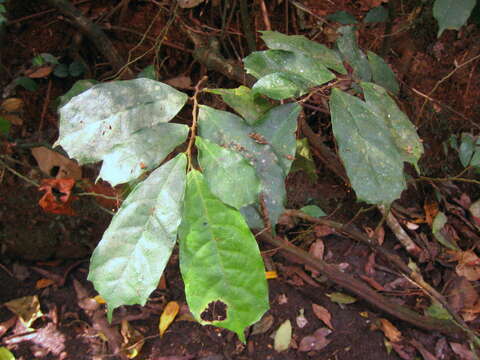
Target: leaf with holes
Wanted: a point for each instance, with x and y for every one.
(120, 125)
(375, 139)
(269, 146)
(283, 74)
(228, 174)
(129, 260)
(220, 261)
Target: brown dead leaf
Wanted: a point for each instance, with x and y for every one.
(40, 72)
(43, 283)
(58, 196)
(317, 250)
(180, 82)
(323, 230)
(390, 331)
(315, 342)
(463, 352)
(323, 314)
(12, 105)
(431, 210)
(370, 265)
(263, 325)
(108, 196)
(50, 161)
(461, 294)
(378, 234)
(468, 265)
(13, 119)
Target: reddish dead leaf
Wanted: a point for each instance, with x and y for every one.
(390, 331)
(431, 210)
(180, 82)
(462, 351)
(43, 283)
(372, 282)
(468, 265)
(323, 314)
(40, 72)
(317, 341)
(58, 196)
(378, 234)
(107, 195)
(323, 230)
(370, 265)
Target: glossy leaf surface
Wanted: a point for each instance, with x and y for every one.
(129, 260)
(220, 261)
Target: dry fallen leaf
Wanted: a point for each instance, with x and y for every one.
(390, 331)
(58, 196)
(468, 265)
(27, 308)
(462, 351)
(315, 342)
(180, 82)
(283, 336)
(43, 283)
(12, 105)
(40, 72)
(168, 315)
(323, 314)
(50, 161)
(132, 339)
(263, 325)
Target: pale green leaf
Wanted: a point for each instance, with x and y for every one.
(341, 298)
(245, 102)
(229, 175)
(102, 124)
(313, 210)
(437, 226)
(271, 156)
(304, 160)
(382, 74)
(77, 88)
(351, 53)
(283, 336)
(342, 17)
(300, 44)
(5, 354)
(469, 150)
(452, 14)
(375, 139)
(141, 152)
(148, 72)
(291, 69)
(220, 261)
(376, 14)
(129, 260)
(437, 311)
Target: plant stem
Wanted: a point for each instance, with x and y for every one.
(193, 128)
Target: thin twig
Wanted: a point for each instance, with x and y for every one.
(193, 128)
(24, 178)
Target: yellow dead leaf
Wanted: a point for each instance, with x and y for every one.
(99, 299)
(12, 105)
(27, 308)
(43, 283)
(390, 331)
(271, 275)
(49, 160)
(168, 315)
(41, 72)
(133, 340)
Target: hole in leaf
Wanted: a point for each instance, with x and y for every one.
(54, 171)
(216, 311)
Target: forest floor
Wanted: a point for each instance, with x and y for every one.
(45, 257)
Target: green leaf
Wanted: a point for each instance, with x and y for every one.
(61, 71)
(76, 68)
(437, 311)
(148, 72)
(26, 83)
(437, 226)
(382, 74)
(49, 58)
(271, 156)
(377, 14)
(452, 14)
(77, 88)
(313, 210)
(351, 53)
(220, 261)
(300, 44)
(5, 354)
(283, 336)
(304, 160)
(375, 139)
(4, 126)
(290, 74)
(245, 102)
(129, 260)
(38, 60)
(341, 298)
(229, 175)
(469, 150)
(120, 121)
(342, 17)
